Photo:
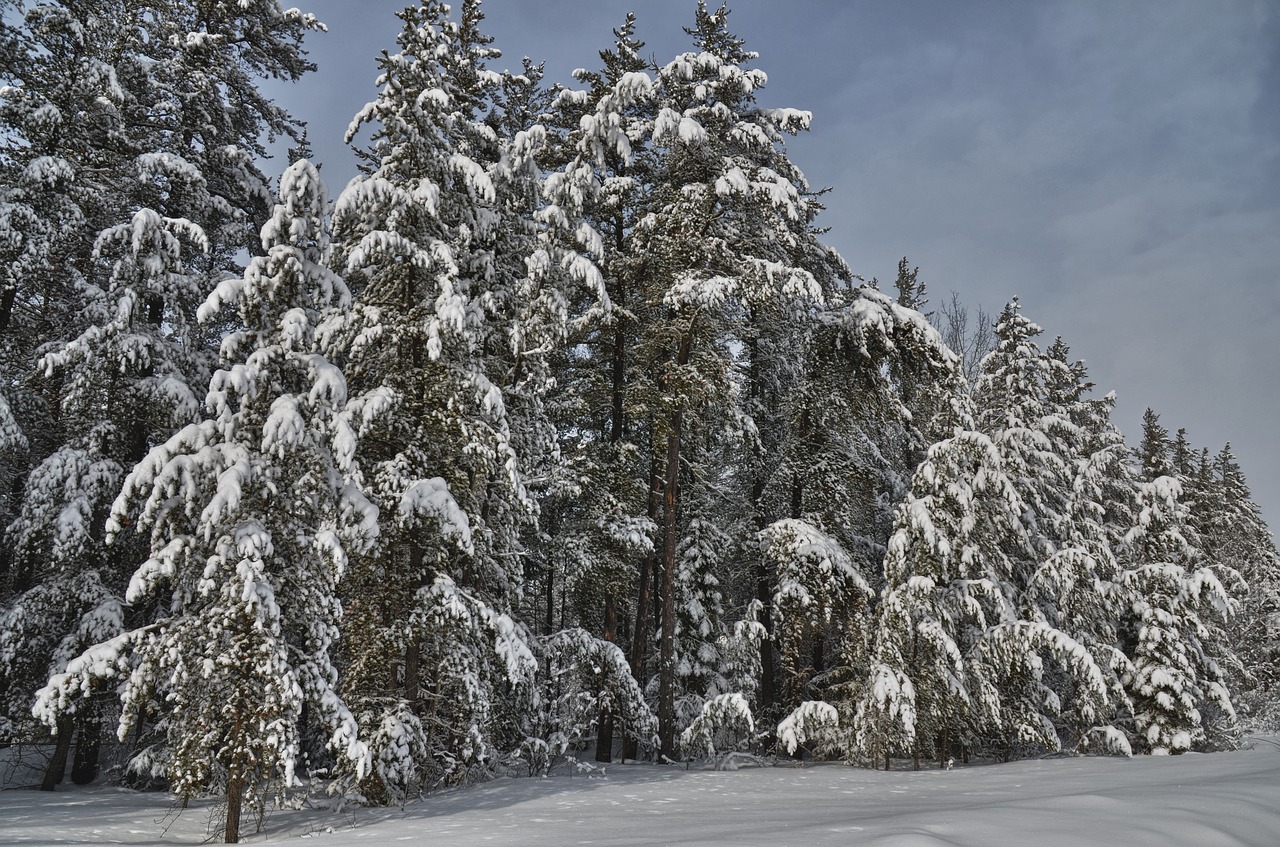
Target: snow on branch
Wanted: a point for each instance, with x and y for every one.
(814, 722)
(725, 725)
(432, 498)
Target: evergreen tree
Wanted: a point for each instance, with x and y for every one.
(603, 163)
(463, 274)
(1028, 401)
(133, 127)
(253, 515)
(953, 659)
(1153, 449)
(853, 438)
(1173, 633)
(1014, 408)
(730, 254)
(1236, 540)
(1077, 589)
(912, 293)
(123, 378)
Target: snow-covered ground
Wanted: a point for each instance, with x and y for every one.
(1220, 800)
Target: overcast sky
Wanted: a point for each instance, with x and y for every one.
(1116, 165)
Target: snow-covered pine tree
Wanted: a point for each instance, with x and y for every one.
(198, 96)
(1011, 398)
(1172, 631)
(946, 586)
(821, 602)
(913, 293)
(1076, 589)
(123, 379)
(604, 446)
(62, 185)
(1236, 539)
(730, 258)
(468, 283)
(1029, 403)
(714, 654)
(852, 439)
(56, 194)
(949, 639)
(1152, 452)
(117, 154)
(252, 516)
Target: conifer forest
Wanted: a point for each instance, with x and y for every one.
(558, 431)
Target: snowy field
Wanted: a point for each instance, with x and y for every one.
(1220, 800)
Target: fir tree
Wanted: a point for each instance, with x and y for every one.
(134, 127)
(252, 517)
(451, 323)
(1173, 632)
(730, 254)
(605, 440)
(1153, 449)
(912, 293)
(1236, 540)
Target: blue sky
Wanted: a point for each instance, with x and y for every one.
(1116, 165)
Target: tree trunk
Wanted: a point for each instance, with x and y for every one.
(764, 593)
(644, 599)
(604, 726)
(549, 598)
(667, 661)
(412, 654)
(7, 298)
(764, 578)
(413, 650)
(617, 427)
(797, 479)
(618, 419)
(670, 509)
(84, 767)
(58, 764)
(235, 802)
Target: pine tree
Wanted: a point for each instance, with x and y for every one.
(1153, 449)
(605, 444)
(1236, 540)
(729, 253)
(706, 641)
(55, 196)
(134, 127)
(821, 597)
(463, 274)
(268, 510)
(122, 379)
(1066, 462)
(851, 442)
(953, 659)
(912, 293)
(946, 585)
(1014, 409)
(1077, 589)
(1173, 633)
